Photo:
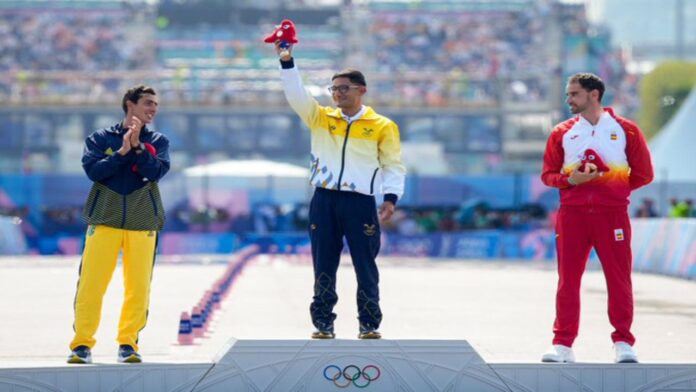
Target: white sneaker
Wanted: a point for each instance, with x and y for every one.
(624, 353)
(559, 353)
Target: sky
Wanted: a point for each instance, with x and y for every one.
(640, 22)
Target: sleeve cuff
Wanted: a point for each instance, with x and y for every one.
(391, 197)
(287, 64)
(142, 157)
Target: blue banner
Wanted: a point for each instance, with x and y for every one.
(12, 241)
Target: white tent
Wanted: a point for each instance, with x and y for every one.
(247, 168)
(245, 182)
(674, 148)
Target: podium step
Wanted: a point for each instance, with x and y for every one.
(380, 365)
(375, 365)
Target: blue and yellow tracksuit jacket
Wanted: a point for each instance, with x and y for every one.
(123, 197)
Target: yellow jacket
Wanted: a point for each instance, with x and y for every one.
(361, 156)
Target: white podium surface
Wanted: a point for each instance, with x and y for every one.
(146, 377)
(376, 365)
(333, 365)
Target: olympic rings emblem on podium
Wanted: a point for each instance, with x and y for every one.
(352, 374)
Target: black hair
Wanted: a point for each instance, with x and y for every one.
(589, 81)
(353, 75)
(134, 94)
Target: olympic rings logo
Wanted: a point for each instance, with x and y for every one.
(351, 374)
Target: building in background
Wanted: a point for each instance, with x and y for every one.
(475, 86)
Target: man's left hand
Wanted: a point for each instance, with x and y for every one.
(386, 210)
(135, 126)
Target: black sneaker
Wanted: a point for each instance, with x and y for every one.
(80, 354)
(369, 332)
(126, 354)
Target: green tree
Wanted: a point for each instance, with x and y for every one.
(662, 91)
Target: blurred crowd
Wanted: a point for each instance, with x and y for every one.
(681, 208)
(18, 212)
(41, 52)
(676, 209)
(270, 218)
(273, 218)
(477, 216)
(415, 58)
(485, 54)
(61, 40)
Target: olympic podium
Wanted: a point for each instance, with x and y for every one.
(327, 365)
(324, 365)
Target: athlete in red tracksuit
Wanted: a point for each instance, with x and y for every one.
(593, 210)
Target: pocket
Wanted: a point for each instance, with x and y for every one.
(94, 202)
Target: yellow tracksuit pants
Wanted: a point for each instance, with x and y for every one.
(99, 258)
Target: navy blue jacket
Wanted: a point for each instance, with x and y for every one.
(125, 192)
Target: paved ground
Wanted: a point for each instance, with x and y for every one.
(505, 310)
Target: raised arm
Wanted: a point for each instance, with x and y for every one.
(299, 99)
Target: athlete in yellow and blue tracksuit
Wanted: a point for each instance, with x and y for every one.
(124, 213)
(355, 153)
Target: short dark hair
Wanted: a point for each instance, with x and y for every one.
(353, 75)
(134, 94)
(589, 81)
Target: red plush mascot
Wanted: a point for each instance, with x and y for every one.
(151, 149)
(592, 161)
(285, 33)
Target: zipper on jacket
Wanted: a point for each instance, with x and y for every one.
(343, 156)
(123, 218)
(94, 203)
(372, 182)
(152, 199)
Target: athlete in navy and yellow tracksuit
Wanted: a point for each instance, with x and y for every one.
(356, 152)
(124, 213)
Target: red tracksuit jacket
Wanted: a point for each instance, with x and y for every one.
(617, 140)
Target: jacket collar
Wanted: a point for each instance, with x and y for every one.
(610, 111)
(369, 114)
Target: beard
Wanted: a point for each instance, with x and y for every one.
(577, 109)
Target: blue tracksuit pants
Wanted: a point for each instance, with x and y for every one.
(333, 215)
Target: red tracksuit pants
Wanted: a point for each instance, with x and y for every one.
(608, 230)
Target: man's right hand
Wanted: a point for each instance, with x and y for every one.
(578, 177)
(280, 50)
(126, 147)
